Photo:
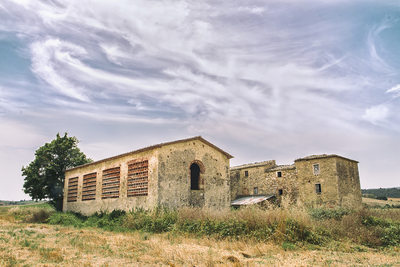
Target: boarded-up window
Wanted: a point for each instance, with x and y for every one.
(138, 181)
(110, 184)
(89, 186)
(72, 189)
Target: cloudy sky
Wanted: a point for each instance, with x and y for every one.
(260, 79)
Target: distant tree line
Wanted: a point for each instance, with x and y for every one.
(19, 202)
(381, 193)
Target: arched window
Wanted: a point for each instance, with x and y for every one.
(194, 176)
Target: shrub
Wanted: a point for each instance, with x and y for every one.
(39, 216)
(391, 235)
(156, 221)
(68, 219)
(323, 214)
(31, 214)
(288, 246)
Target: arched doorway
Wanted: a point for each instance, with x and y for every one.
(197, 177)
(194, 176)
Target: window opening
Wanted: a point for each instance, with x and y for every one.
(138, 178)
(316, 169)
(110, 184)
(72, 189)
(246, 173)
(255, 190)
(318, 188)
(278, 174)
(89, 186)
(280, 191)
(194, 176)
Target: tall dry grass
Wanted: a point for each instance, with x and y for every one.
(31, 214)
(295, 225)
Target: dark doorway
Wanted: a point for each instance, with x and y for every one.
(194, 176)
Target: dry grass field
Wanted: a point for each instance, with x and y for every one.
(376, 202)
(24, 244)
(36, 244)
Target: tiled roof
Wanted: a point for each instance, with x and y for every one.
(282, 167)
(323, 156)
(255, 164)
(154, 147)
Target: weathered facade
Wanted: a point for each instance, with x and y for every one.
(181, 173)
(328, 180)
(194, 172)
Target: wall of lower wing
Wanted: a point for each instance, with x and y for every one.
(98, 187)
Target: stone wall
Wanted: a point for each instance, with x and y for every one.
(262, 179)
(335, 183)
(327, 178)
(122, 202)
(349, 183)
(174, 176)
(245, 178)
(168, 179)
(285, 187)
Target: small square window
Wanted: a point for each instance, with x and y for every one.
(255, 191)
(318, 188)
(280, 191)
(316, 169)
(246, 173)
(278, 174)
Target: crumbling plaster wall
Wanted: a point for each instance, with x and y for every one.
(287, 183)
(338, 177)
(174, 176)
(349, 183)
(266, 180)
(327, 177)
(123, 202)
(243, 185)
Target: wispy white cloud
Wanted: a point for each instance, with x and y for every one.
(46, 55)
(394, 90)
(376, 114)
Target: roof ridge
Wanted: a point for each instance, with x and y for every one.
(154, 147)
(310, 157)
(254, 164)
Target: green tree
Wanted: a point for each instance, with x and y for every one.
(44, 176)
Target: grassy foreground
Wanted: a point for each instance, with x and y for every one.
(41, 237)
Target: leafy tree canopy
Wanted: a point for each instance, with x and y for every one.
(44, 176)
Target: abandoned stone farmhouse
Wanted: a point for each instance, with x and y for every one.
(194, 172)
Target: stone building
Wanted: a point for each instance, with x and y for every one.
(328, 180)
(185, 172)
(194, 172)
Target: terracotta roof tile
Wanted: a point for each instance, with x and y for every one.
(154, 147)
